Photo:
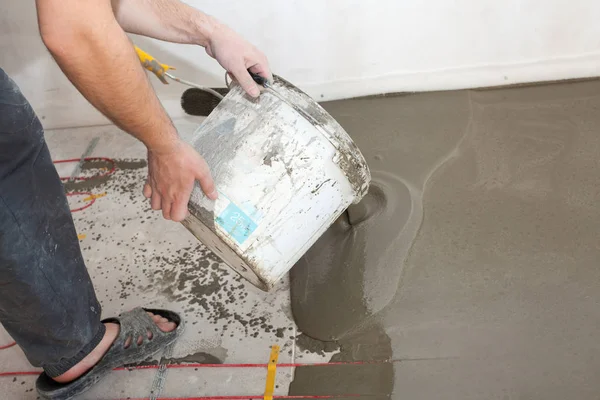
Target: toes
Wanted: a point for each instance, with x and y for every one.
(155, 318)
(163, 323)
(167, 326)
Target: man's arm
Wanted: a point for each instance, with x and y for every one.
(94, 52)
(98, 58)
(174, 21)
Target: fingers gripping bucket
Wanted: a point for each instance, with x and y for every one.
(285, 171)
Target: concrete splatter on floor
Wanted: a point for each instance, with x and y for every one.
(190, 275)
(136, 258)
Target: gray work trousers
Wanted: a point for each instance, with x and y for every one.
(47, 300)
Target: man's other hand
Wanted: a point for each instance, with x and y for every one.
(237, 55)
(172, 172)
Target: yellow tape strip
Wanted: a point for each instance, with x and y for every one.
(81, 236)
(271, 371)
(94, 196)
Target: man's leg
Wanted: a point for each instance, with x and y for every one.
(47, 301)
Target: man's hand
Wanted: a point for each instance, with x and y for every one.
(175, 21)
(171, 175)
(236, 55)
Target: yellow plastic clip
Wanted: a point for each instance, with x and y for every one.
(271, 372)
(94, 196)
(152, 65)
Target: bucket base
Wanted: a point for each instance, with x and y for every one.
(215, 244)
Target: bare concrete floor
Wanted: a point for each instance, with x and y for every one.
(136, 258)
(474, 260)
(490, 282)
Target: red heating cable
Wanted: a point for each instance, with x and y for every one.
(183, 366)
(85, 178)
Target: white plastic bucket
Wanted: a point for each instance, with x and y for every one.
(285, 170)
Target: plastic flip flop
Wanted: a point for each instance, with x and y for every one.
(134, 324)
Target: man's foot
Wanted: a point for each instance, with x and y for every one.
(112, 331)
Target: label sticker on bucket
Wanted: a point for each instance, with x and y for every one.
(236, 223)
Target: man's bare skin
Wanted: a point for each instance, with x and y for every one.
(88, 40)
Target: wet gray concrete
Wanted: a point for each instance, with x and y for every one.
(476, 255)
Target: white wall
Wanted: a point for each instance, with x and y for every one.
(343, 48)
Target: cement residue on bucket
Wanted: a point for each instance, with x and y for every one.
(285, 171)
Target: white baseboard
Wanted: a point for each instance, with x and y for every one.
(465, 77)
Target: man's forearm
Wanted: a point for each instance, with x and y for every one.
(98, 58)
(168, 20)
(174, 21)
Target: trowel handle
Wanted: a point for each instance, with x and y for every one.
(152, 65)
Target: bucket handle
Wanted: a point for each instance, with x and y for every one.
(260, 80)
